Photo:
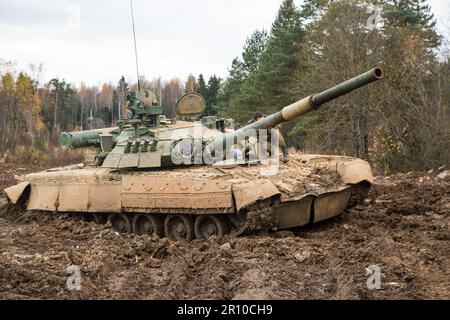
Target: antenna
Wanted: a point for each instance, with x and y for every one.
(135, 46)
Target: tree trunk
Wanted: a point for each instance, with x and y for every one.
(56, 109)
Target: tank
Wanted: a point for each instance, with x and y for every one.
(196, 177)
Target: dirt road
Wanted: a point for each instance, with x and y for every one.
(402, 228)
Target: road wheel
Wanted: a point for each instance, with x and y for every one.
(147, 224)
(207, 226)
(120, 223)
(179, 227)
(100, 218)
(88, 217)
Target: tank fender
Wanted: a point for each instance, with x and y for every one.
(356, 171)
(248, 193)
(15, 192)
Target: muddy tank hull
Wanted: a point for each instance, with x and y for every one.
(201, 201)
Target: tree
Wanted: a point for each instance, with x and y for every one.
(29, 108)
(173, 90)
(191, 83)
(202, 88)
(281, 60)
(60, 107)
(398, 123)
(271, 85)
(122, 93)
(21, 106)
(312, 10)
(414, 16)
(412, 110)
(331, 56)
(254, 48)
(243, 69)
(57, 86)
(106, 100)
(7, 104)
(232, 85)
(212, 94)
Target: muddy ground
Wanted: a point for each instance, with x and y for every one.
(403, 228)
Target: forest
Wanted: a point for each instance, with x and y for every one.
(399, 124)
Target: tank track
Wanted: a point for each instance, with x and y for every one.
(359, 194)
(258, 217)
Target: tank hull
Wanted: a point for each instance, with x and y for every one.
(309, 189)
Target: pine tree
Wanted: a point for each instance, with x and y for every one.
(243, 69)
(237, 76)
(62, 110)
(281, 59)
(202, 88)
(272, 84)
(312, 9)
(212, 93)
(413, 14)
(254, 47)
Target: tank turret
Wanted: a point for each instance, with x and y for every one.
(147, 139)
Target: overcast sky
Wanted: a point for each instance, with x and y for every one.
(91, 41)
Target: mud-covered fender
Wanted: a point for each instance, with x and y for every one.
(15, 192)
(356, 171)
(248, 193)
(351, 170)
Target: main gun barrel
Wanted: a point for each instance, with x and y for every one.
(297, 109)
(314, 102)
